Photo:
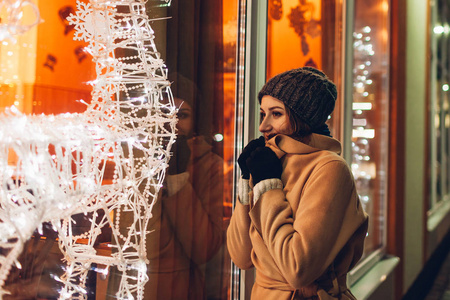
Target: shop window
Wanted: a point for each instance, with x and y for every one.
(370, 114)
(46, 71)
(439, 114)
(310, 33)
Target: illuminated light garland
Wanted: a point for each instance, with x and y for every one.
(362, 166)
(11, 23)
(60, 160)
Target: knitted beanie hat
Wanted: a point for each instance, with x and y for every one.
(306, 91)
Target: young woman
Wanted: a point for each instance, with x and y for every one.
(299, 220)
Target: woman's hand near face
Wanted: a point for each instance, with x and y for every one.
(263, 164)
(251, 146)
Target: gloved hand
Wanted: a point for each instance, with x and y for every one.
(180, 156)
(263, 164)
(251, 146)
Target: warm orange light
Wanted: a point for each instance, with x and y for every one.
(384, 6)
(285, 47)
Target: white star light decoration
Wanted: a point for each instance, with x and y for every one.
(87, 24)
(59, 161)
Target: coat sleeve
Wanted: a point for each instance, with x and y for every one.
(304, 246)
(196, 214)
(238, 238)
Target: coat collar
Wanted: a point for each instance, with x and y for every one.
(283, 144)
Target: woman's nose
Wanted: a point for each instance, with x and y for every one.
(264, 126)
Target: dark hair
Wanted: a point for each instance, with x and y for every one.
(300, 130)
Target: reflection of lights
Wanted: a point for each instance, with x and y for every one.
(360, 89)
(445, 87)
(439, 29)
(365, 198)
(447, 121)
(369, 81)
(363, 133)
(359, 122)
(366, 29)
(361, 78)
(384, 35)
(384, 6)
(362, 106)
(218, 137)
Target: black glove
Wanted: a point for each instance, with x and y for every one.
(251, 146)
(180, 156)
(263, 164)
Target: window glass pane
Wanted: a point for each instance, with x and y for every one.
(370, 113)
(46, 71)
(306, 33)
(199, 39)
(439, 106)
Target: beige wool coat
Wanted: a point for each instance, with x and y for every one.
(303, 233)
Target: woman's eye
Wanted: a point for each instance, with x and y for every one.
(182, 116)
(262, 116)
(276, 114)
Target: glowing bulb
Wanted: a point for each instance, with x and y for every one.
(438, 29)
(367, 29)
(218, 137)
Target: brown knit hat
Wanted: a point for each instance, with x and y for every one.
(306, 91)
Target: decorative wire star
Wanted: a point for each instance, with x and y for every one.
(89, 23)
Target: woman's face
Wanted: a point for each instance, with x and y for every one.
(185, 118)
(274, 118)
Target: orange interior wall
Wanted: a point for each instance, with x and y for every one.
(284, 44)
(62, 81)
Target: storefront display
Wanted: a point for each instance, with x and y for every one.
(308, 33)
(107, 114)
(94, 172)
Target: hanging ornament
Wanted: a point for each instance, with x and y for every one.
(302, 20)
(63, 13)
(276, 9)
